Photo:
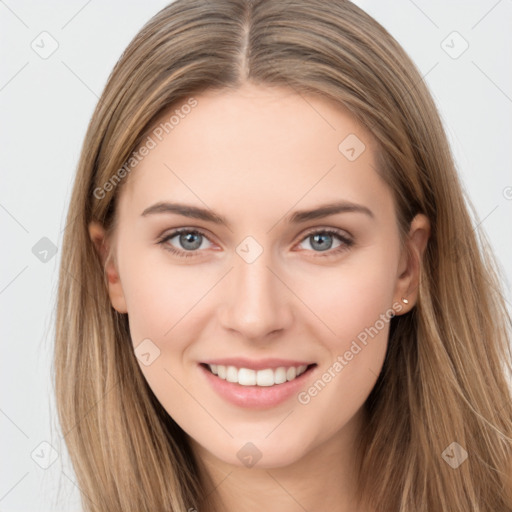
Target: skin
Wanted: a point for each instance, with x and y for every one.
(255, 155)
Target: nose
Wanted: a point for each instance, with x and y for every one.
(257, 303)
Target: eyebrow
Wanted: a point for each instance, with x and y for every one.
(298, 217)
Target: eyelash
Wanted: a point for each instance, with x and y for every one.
(347, 243)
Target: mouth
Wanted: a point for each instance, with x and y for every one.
(266, 377)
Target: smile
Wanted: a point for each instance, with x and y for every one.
(265, 377)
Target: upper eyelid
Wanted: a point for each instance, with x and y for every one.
(338, 231)
(177, 231)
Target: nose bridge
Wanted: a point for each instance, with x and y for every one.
(257, 302)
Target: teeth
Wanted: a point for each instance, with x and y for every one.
(248, 377)
(221, 371)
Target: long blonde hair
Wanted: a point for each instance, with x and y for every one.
(445, 376)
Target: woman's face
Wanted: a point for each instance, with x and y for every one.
(261, 279)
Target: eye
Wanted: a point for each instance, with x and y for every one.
(189, 242)
(321, 241)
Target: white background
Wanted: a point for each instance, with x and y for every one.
(45, 105)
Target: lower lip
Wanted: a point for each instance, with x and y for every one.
(262, 397)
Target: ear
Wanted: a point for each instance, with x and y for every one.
(406, 291)
(103, 248)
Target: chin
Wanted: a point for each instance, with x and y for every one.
(260, 454)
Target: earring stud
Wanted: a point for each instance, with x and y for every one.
(405, 301)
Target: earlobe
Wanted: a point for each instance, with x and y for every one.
(406, 292)
(101, 243)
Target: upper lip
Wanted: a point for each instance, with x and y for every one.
(261, 364)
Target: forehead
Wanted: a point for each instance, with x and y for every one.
(256, 147)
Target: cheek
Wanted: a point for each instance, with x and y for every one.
(350, 297)
(352, 308)
(163, 302)
(160, 295)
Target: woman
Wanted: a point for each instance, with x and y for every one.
(271, 294)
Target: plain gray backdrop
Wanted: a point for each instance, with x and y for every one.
(56, 57)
